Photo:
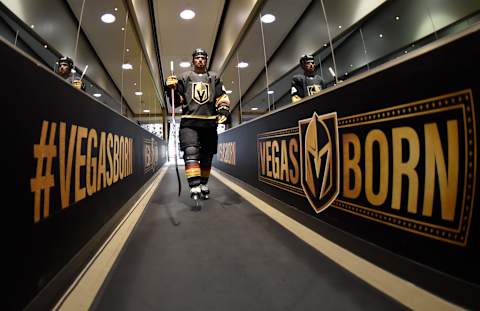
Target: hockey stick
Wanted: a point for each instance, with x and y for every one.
(174, 125)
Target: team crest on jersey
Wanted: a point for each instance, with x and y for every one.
(200, 92)
(313, 89)
(319, 159)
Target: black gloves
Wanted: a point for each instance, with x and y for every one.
(223, 116)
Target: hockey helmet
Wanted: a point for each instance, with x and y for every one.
(65, 60)
(199, 52)
(305, 58)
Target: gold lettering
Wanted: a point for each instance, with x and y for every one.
(407, 168)
(116, 166)
(262, 157)
(351, 164)
(130, 143)
(80, 192)
(293, 151)
(269, 157)
(275, 160)
(66, 172)
(109, 156)
(91, 163)
(284, 162)
(102, 178)
(376, 136)
(121, 153)
(435, 162)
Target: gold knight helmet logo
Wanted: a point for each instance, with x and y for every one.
(200, 92)
(319, 159)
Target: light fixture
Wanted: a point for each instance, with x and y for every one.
(267, 18)
(228, 91)
(146, 110)
(380, 35)
(325, 44)
(116, 9)
(32, 26)
(138, 93)
(127, 66)
(339, 26)
(331, 71)
(397, 18)
(107, 18)
(97, 94)
(242, 65)
(254, 108)
(187, 14)
(184, 64)
(134, 83)
(45, 46)
(127, 50)
(123, 28)
(271, 92)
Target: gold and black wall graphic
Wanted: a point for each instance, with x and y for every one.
(390, 158)
(70, 164)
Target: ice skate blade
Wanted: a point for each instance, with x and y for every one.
(197, 207)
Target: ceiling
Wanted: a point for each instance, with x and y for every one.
(154, 35)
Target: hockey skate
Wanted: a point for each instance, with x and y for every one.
(205, 191)
(196, 194)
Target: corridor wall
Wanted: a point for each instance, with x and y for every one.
(72, 168)
(390, 157)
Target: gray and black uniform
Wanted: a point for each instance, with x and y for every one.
(202, 98)
(303, 85)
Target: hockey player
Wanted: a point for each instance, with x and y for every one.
(308, 83)
(205, 104)
(64, 69)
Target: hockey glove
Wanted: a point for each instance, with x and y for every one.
(223, 116)
(172, 81)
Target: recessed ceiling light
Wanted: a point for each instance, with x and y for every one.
(45, 46)
(324, 44)
(32, 26)
(184, 64)
(146, 110)
(97, 94)
(116, 9)
(107, 18)
(123, 28)
(187, 14)
(254, 108)
(380, 35)
(228, 91)
(242, 65)
(127, 66)
(138, 93)
(339, 26)
(268, 18)
(271, 92)
(134, 83)
(397, 18)
(128, 50)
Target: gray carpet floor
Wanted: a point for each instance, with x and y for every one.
(227, 256)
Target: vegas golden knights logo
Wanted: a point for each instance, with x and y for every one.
(319, 159)
(313, 89)
(200, 92)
